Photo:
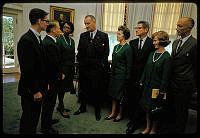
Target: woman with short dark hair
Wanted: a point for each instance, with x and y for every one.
(67, 46)
(121, 70)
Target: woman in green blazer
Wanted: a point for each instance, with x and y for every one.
(67, 47)
(155, 76)
(121, 69)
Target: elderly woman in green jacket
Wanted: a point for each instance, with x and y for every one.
(156, 75)
(121, 70)
(67, 46)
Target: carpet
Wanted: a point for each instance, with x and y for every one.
(84, 123)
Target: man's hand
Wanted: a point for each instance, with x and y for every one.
(37, 96)
(63, 76)
(48, 87)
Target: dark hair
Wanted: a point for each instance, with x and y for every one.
(36, 14)
(125, 31)
(163, 38)
(51, 25)
(145, 24)
(71, 26)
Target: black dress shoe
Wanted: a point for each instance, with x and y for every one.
(98, 117)
(129, 123)
(79, 111)
(49, 131)
(117, 120)
(131, 129)
(54, 121)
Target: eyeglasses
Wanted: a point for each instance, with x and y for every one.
(47, 21)
(138, 27)
(66, 27)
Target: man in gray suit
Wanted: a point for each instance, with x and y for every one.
(183, 78)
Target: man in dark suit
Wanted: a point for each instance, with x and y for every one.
(184, 73)
(32, 84)
(141, 47)
(93, 51)
(54, 74)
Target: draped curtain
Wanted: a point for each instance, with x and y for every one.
(165, 17)
(137, 12)
(113, 16)
(99, 16)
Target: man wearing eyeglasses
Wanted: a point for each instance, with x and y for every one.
(32, 84)
(141, 47)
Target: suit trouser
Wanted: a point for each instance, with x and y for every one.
(91, 86)
(133, 96)
(30, 115)
(179, 103)
(48, 108)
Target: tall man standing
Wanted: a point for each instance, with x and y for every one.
(93, 51)
(142, 47)
(32, 84)
(54, 74)
(184, 65)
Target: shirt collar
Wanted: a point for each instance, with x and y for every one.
(143, 40)
(94, 33)
(35, 32)
(185, 39)
(54, 39)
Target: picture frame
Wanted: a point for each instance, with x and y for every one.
(68, 14)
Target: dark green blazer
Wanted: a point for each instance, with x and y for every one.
(67, 53)
(122, 62)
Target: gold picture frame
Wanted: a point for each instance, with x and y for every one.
(68, 14)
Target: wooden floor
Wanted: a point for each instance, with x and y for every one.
(11, 77)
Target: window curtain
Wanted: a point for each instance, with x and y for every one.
(137, 12)
(99, 16)
(113, 17)
(186, 9)
(165, 17)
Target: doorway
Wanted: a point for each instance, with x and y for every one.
(9, 53)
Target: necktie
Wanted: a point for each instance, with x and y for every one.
(91, 35)
(40, 40)
(140, 46)
(179, 45)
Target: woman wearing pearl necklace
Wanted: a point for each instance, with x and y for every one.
(121, 72)
(67, 46)
(155, 76)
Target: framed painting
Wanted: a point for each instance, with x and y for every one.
(61, 14)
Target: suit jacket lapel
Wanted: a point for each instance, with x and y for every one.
(174, 47)
(184, 46)
(145, 44)
(136, 45)
(50, 39)
(34, 37)
(96, 35)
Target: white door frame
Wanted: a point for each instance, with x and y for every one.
(15, 11)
